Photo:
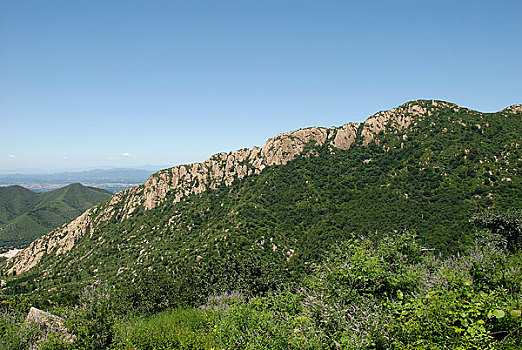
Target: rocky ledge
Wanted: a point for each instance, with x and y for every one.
(219, 170)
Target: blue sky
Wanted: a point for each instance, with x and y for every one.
(120, 83)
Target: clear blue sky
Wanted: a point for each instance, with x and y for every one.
(117, 83)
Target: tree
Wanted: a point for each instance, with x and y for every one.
(506, 224)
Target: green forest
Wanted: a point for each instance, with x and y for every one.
(410, 242)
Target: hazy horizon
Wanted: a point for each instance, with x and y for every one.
(123, 83)
(35, 171)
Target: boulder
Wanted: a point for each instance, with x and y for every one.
(49, 323)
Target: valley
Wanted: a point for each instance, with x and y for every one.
(26, 215)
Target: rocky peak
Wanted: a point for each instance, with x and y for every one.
(222, 169)
(178, 182)
(514, 109)
(398, 119)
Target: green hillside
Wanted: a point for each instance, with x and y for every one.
(327, 251)
(269, 229)
(14, 201)
(25, 215)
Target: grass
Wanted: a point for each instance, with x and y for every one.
(172, 329)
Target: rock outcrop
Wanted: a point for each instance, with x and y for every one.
(50, 322)
(513, 109)
(221, 169)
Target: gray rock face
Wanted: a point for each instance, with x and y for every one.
(513, 109)
(219, 170)
(50, 322)
(42, 317)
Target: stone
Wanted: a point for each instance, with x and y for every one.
(50, 322)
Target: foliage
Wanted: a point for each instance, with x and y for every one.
(505, 224)
(367, 295)
(363, 267)
(370, 292)
(453, 319)
(92, 320)
(11, 332)
(151, 292)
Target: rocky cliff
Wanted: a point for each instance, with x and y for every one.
(223, 169)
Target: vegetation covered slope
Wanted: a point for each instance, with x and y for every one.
(14, 201)
(267, 229)
(25, 215)
(370, 293)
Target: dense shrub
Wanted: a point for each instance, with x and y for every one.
(11, 331)
(369, 294)
(506, 226)
(92, 320)
(373, 292)
(151, 292)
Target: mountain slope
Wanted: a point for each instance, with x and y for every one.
(26, 215)
(14, 201)
(265, 214)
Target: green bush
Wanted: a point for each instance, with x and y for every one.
(92, 321)
(179, 328)
(463, 319)
(150, 293)
(12, 335)
(55, 342)
(507, 225)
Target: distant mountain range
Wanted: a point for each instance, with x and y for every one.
(26, 215)
(112, 180)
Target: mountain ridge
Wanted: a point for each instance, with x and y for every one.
(222, 169)
(26, 215)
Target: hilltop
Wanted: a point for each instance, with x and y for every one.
(26, 215)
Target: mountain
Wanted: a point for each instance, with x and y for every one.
(26, 215)
(14, 201)
(113, 180)
(263, 216)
